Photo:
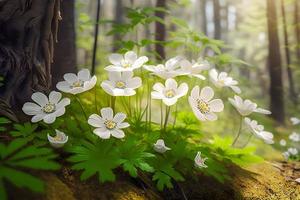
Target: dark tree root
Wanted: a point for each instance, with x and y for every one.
(28, 29)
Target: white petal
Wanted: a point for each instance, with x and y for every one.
(107, 113)
(107, 88)
(236, 89)
(206, 94)
(157, 95)
(130, 56)
(30, 108)
(263, 111)
(123, 125)
(104, 134)
(50, 118)
(115, 58)
(84, 75)
(118, 133)
(63, 103)
(96, 121)
(213, 74)
(134, 83)
(54, 97)
(182, 89)
(90, 84)
(40, 98)
(38, 117)
(171, 84)
(60, 112)
(127, 75)
(170, 101)
(63, 86)
(211, 116)
(114, 76)
(195, 92)
(216, 105)
(159, 87)
(119, 117)
(139, 62)
(70, 77)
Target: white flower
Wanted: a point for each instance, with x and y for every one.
(258, 131)
(121, 84)
(295, 120)
(246, 107)
(295, 137)
(58, 140)
(169, 70)
(200, 162)
(286, 155)
(76, 84)
(107, 124)
(46, 109)
(202, 104)
(297, 180)
(293, 151)
(223, 80)
(169, 93)
(282, 142)
(160, 146)
(128, 62)
(193, 68)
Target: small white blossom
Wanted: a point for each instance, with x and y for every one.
(169, 70)
(223, 80)
(293, 151)
(160, 146)
(107, 124)
(199, 161)
(282, 142)
(44, 108)
(202, 104)
(295, 137)
(193, 68)
(246, 107)
(128, 62)
(295, 120)
(297, 180)
(58, 140)
(170, 92)
(258, 130)
(121, 84)
(286, 155)
(75, 84)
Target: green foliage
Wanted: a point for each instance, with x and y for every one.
(3, 123)
(24, 130)
(18, 156)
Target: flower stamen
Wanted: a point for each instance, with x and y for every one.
(110, 124)
(49, 108)
(120, 85)
(202, 106)
(170, 93)
(76, 84)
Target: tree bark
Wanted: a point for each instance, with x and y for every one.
(203, 16)
(28, 31)
(274, 62)
(118, 20)
(65, 49)
(217, 19)
(160, 31)
(297, 28)
(288, 57)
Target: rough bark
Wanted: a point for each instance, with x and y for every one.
(274, 62)
(288, 56)
(297, 28)
(27, 32)
(217, 19)
(96, 37)
(65, 49)
(203, 16)
(160, 31)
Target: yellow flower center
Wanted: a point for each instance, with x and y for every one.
(58, 138)
(203, 107)
(170, 93)
(110, 124)
(125, 64)
(49, 108)
(120, 84)
(78, 83)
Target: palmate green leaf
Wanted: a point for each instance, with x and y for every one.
(13, 146)
(3, 122)
(99, 158)
(163, 180)
(24, 130)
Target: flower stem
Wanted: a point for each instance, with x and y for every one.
(175, 118)
(113, 102)
(82, 109)
(239, 132)
(166, 117)
(161, 115)
(247, 142)
(96, 108)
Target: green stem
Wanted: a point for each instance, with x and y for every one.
(239, 132)
(161, 116)
(166, 117)
(175, 117)
(96, 108)
(247, 142)
(82, 109)
(113, 103)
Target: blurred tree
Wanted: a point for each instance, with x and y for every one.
(217, 19)
(203, 16)
(118, 20)
(292, 92)
(274, 65)
(65, 50)
(160, 31)
(27, 36)
(297, 28)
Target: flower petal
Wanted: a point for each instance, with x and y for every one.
(182, 89)
(211, 116)
(63, 86)
(159, 87)
(40, 98)
(118, 133)
(123, 125)
(63, 103)
(119, 117)
(115, 58)
(170, 101)
(216, 105)
(30, 108)
(70, 78)
(50, 118)
(54, 97)
(130, 56)
(96, 121)
(206, 94)
(139, 62)
(171, 84)
(38, 117)
(107, 113)
(104, 134)
(84, 75)
(134, 83)
(195, 92)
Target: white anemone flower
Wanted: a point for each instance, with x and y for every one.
(75, 84)
(44, 108)
(107, 124)
(193, 68)
(170, 92)
(295, 137)
(286, 155)
(293, 151)
(58, 140)
(199, 161)
(222, 79)
(121, 84)
(282, 142)
(160, 146)
(168, 70)
(202, 104)
(246, 107)
(295, 120)
(258, 131)
(128, 62)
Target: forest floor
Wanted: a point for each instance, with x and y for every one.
(265, 181)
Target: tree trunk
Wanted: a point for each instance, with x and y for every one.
(118, 20)
(160, 31)
(28, 31)
(65, 49)
(275, 69)
(288, 57)
(217, 20)
(297, 28)
(203, 16)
